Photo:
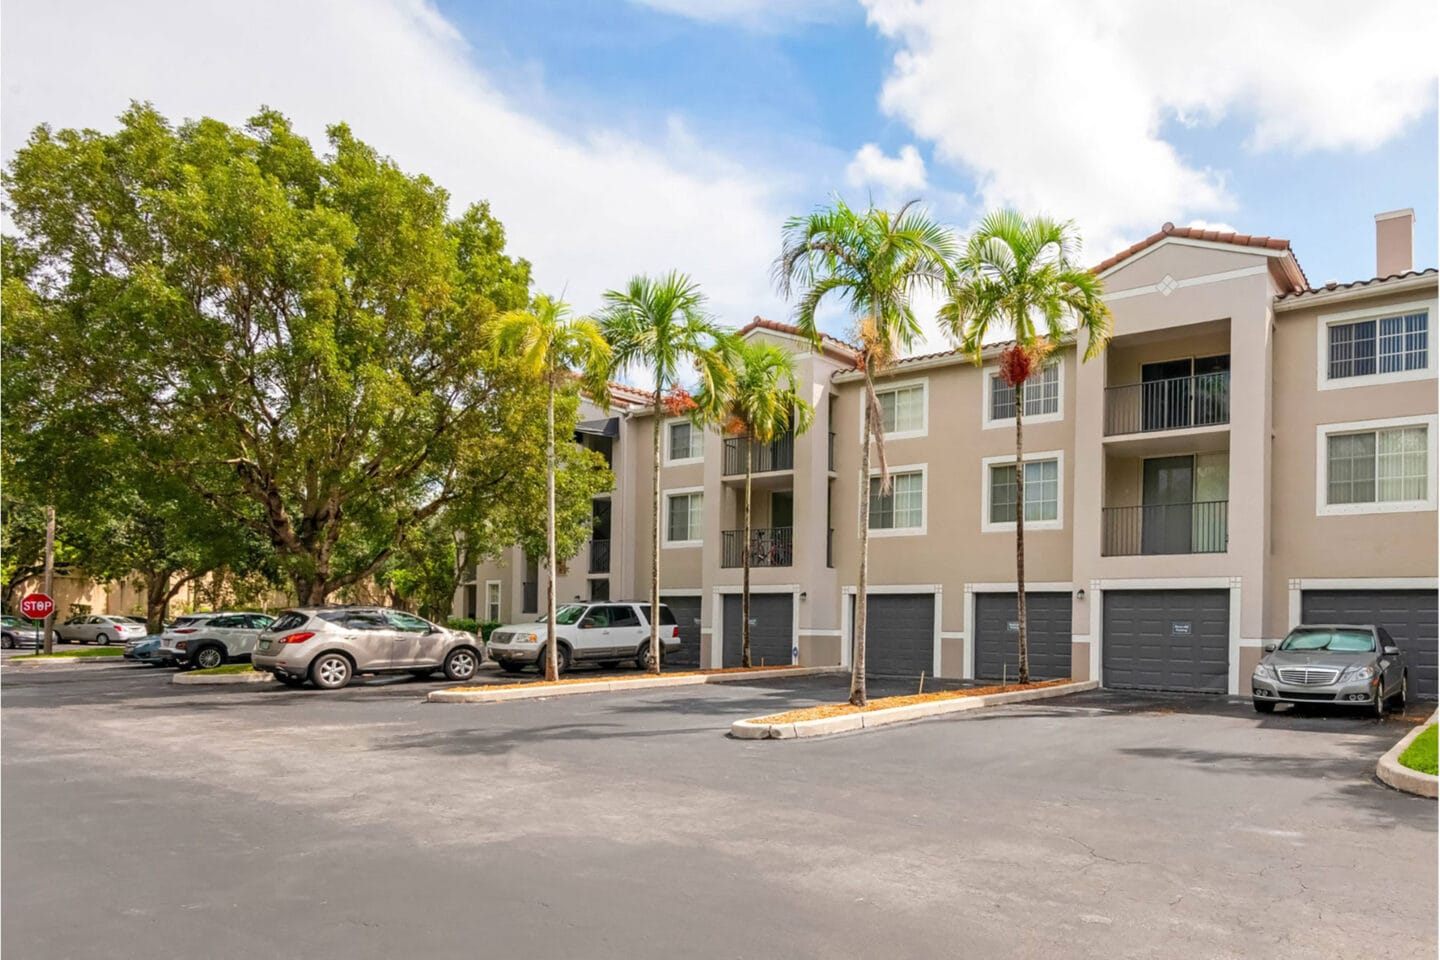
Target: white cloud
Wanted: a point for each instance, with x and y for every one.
(1211, 225)
(751, 14)
(588, 208)
(901, 174)
(1062, 108)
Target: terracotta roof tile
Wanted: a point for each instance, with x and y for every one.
(1296, 278)
(1327, 288)
(760, 323)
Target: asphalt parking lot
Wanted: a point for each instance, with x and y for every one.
(233, 822)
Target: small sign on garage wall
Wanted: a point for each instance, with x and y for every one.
(1180, 628)
(1013, 626)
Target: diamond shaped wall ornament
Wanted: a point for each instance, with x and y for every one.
(1167, 285)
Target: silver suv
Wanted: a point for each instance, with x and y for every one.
(330, 645)
(603, 632)
(208, 640)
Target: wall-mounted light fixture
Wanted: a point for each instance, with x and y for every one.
(1080, 594)
(803, 595)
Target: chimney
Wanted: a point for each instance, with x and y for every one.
(1394, 242)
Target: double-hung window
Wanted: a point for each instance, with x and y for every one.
(902, 508)
(1042, 395)
(902, 410)
(684, 518)
(1382, 466)
(1042, 493)
(492, 600)
(686, 442)
(1378, 346)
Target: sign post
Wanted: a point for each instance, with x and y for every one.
(50, 578)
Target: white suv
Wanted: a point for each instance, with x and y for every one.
(208, 640)
(606, 633)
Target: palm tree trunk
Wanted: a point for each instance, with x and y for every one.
(552, 656)
(1024, 652)
(655, 539)
(857, 666)
(745, 568)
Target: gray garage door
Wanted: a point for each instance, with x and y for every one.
(771, 630)
(1409, 616)
(687, 614)
(1167, 640)
(899, 634)
(1048, 635)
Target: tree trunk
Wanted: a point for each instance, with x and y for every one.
(50, 576)
(655, 538)
(552, 654)
(745, 567)
(157, 598)
(857, 667)
(1024, 651)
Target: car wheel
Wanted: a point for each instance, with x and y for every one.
(208, 658)
(562, 660)
(461, 664)
(1377, 706)
(100, 639)
(9, 642)
(642, 656)
(1264, 706)
(330, 671)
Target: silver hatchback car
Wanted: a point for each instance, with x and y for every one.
(330, 645)
(1349, 665)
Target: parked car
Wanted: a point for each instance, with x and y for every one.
(20, 632)
(148, 650)
(329, 646)
(607, 633)
(94, 628)
(206, 640)
(1350, 665)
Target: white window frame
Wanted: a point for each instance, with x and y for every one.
(682, 461)
(499, 594)
(924, 384)
(991, 371)
(1325, 321)
(665, 520)
(924, 470)
(1007, 460)
(1323, 508)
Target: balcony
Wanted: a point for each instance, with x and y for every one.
(1165, 528)
(599, 556)
(769, 547)
(767, 457)
(1202, 400)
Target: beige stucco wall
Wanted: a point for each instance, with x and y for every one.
(819, 651)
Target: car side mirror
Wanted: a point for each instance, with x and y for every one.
(1271, 647)
(1394, 652)
(587, 624)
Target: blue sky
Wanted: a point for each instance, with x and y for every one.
(623, 136)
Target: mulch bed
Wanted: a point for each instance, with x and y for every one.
(824, 710)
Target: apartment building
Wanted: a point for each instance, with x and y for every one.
(1250, 452)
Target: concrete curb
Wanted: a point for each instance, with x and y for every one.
(850, 722)
(538, 691)
(220, 679)
(1390, 770)
(61, 661)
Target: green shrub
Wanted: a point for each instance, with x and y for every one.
(1420, 755)
(467, 624)
(487, 627)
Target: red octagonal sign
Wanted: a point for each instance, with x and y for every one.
(37, 606)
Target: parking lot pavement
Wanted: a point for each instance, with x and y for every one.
(234, 822)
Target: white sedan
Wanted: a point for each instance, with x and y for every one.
(93, 628)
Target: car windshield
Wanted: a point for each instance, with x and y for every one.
(1330, 638)
(569, 614)
(10, 621)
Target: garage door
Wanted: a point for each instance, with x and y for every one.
(1409, 616)
(1048, 636)
(899, 634)
(687, 615)
(1167, 640)
(771, 629)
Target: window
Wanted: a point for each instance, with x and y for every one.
(1384, 345)
(687, 442)
(902, 410)
(684, 518)
(623, 617)
(1042, 395)
(903, 508)
(1042, 492)
(600, 589)
(1378, 466)
(407, 623)
(492, 600)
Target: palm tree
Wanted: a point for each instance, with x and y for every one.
(557, 348)
(759, 406)
(660, 323)
(1022, 276)
(873, 262)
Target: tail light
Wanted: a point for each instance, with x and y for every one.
(675, 633)
(300, 637)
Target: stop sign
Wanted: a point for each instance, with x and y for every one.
(37, 606)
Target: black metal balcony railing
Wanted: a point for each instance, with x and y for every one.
(599, 556)
(1199, 401)
(769, 547)
(529, 597)
(831, 461)
(779, 455)
(830, 547)
(1163, 528)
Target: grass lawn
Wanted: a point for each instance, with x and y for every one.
(1420, 755)
(87, 652)
(227, 668)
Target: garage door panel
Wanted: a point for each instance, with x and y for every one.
(899, 634)
(687, 615)
(1167, 640)
(1408, 615)
(771, 633)
(1048, 635)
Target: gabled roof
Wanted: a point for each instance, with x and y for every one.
(1289, 275)
(844, 351)
(629, 396)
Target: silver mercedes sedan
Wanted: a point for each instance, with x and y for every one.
(1345, 664)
